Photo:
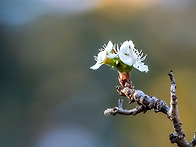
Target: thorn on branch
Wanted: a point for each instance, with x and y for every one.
(120, 103)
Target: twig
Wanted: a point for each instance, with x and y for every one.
(120, 110)
(146, 103)
(178, 136)
(194, 140)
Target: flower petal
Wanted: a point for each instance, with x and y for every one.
(126, 59)
(135, 54)
(96, 66)
(111, 52)
(101, 56)
(125, 54)
(131, 44)
(112, 55)
(109, 46)
(140, 66)
(125, 48)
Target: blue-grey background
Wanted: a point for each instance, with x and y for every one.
(49, 97)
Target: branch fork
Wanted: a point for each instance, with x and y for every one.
(146, 103)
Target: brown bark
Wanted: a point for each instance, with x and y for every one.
(146, 103)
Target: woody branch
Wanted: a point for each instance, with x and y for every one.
(146, 103)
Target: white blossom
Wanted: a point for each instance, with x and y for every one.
(100, 58)
(132, 57)
(126, 53)
(108, 51)
(111, 52)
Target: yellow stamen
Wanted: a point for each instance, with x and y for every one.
(107, 61)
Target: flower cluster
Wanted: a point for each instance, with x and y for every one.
(124, 58)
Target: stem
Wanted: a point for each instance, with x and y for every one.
(125, 80)
(146, 103)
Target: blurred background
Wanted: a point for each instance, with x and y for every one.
(49, 97)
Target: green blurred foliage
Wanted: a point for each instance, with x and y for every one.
(46, 82)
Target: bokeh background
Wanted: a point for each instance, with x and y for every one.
(49, 97)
